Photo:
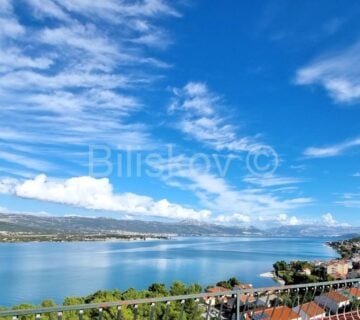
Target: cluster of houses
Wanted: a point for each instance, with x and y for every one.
(264, 307)
(340, 269)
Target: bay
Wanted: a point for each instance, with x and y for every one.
(32, 272)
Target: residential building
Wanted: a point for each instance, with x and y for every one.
(243, 286)
(338, 269)
(266, 301)
(352, 293)
(248, 300)
(214, 300)
(310, 311)
(278, 313)
(332, 301)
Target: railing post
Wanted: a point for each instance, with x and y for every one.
(60, 315)
(152, 310)
(118, 317)
(135, 312)
(167, 309)
(238, 305)
(182, 309)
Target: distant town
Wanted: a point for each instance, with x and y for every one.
(13, 237)
(346, 267)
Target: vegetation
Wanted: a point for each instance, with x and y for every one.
(297, 272)
(173, 310)
(346, 248)
(67, 237)
(228, 284)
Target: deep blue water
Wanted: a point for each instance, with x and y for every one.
(31, 272)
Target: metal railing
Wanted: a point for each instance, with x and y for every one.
(324, 300)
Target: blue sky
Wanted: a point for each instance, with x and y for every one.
(240, 113)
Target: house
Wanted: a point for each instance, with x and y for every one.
(243, 286)
(352, 293)
(216, 299)
(247, 300)
(266, 301)
(310, 311)
(278, 313)
(332, 301)
(306, 271)
(338, 269)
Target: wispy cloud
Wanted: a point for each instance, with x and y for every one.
(271, 180)
(222, 198)
(331, 151)
(200, 117)
(337, 73)
(25, 161)
(9, 24)
(74, 82)
(350, 200)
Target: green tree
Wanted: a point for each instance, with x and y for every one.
(48, 303)
(159, 289)
(177, 288)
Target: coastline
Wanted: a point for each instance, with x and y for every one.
(271, 274)
(90, 237)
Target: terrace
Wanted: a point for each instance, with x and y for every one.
(325, 300)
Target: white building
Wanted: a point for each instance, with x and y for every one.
(332, 301)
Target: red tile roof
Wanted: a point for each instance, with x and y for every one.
(279, 313)
(312, 309)
(216, 289)
(355, 292)
(336, 296)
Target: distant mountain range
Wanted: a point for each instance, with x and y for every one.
(75, 224)
(314, 231)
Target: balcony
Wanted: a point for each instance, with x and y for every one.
(327, 300)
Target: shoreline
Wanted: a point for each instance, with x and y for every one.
(271, 274)
(62, 238)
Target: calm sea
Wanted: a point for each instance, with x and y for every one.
(31, 272)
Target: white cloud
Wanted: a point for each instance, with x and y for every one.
(233, 219)
(219, 196)
(350, 200)
(97, 194)
(271, 180)
(331, 151)
(48, 8)
(328, 220)
(25, 161)
(76, 81)
(10, 28)
(281, 219)
(338, 73)
(113, 10)
(13, 58)
(199, 118)
(7, 185)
